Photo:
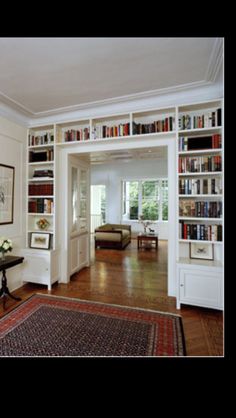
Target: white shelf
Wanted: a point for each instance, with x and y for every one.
(40, 179)
(200, 195)
(40, 196)
(209, 130)
(205, 173)
(32, 147)
(200, 152)
(39, 214)
(199, 241)
(49, 231)
(116, 138)
(195, 218)
(41, 163)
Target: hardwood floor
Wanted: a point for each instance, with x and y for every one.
(138, 279)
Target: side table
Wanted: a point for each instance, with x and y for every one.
(10, 261)
(150, 238)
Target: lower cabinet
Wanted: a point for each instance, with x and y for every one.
(79, 252)
(41, 266)
(200, 286)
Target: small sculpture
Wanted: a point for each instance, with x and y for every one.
(43, 223)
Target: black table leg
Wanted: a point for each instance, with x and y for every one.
(4, 289)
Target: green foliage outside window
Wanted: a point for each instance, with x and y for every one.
(151, 192)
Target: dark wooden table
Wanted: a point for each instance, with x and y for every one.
(10, 261)
(147, 241)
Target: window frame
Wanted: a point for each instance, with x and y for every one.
(140, 198)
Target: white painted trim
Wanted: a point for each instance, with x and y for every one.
(99, 103)
(13, 115)
(170, 142)
(122, 99)
(14, 104)
(162, 98)
(216, 61)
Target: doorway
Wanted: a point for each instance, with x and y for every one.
(125, 151)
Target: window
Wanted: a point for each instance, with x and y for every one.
(98, 206)
(146, 197)
(74, 197)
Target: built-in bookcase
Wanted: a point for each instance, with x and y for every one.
(128, 125)
(41, 183)
(200, 204)
(42, 253)
(198, 134)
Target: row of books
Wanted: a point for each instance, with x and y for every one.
(200, 186)
(41, 155)
(42, 173)
(41, 205)
(163, 125)
(46, 138)
(200, 142)
(198, 121)
(201, 164)
(200, 232)
(40, 189)
(203, 209)
(76, 134)
(105, 131)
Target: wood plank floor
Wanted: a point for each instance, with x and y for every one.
(138, 279)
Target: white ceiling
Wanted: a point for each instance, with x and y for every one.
(39, 75)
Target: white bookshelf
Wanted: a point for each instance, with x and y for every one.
(199, 280)
(147, 127)
(41, 263)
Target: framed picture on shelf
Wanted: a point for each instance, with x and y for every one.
(7, 175)
(40, 240)
(201, 250)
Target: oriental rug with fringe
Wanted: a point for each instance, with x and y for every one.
(56, 326)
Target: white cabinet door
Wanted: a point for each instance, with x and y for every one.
(74, 255)
(37, 269)
(83, 250)
(41, 267)
(79, 252)
(78, 214)
(201, 288)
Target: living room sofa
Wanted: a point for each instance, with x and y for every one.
(112, 236)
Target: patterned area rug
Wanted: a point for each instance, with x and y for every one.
(59, 326)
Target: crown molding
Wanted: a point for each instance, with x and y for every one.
(192, 92)
(216, 61)
(208, 91)
(122, 99)
(28, 114)
(13, 115)
(15, 105)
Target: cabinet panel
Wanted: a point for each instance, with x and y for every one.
(74, 255)
(202, 288)
(79, 253)
(42, 268)
(83, 250)
(37, 269)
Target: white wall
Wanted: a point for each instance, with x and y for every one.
(112, 174)
(13, 153)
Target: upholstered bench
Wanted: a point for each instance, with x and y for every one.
(112, 236)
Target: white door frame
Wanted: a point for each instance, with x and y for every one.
(85, 147)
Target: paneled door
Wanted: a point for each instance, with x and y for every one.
(78, 214)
